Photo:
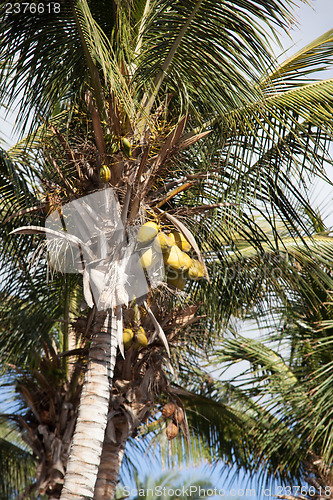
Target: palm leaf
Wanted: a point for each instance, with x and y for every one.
(17, 465)
(314, 57)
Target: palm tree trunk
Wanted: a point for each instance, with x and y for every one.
(109, 468)
(87, 444)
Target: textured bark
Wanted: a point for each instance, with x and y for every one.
(109, 469)
(131, 404)
(86, 450)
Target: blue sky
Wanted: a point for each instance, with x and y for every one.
(313, 20)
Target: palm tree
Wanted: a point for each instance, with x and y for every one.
(282, 400)
(285, 396)
(182, 106)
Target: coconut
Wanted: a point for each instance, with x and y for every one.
(178, 281)
(149, 258)
(196, 270)
(171, 430)
(187, 259)
(140, 340)
(128, 335)
(147, 233)
(126, 146)
(105, 174)
(141, 330)
(193, 272)
(178, 415)
(180, 241)
(146, 259)
(168, 410)
(162, 243)
(177, 259)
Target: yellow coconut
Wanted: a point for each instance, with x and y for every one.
(162, 243)
(187, 260)
(193, 272)
(105, 174)
(140, 340)
(149, 258)
(146, 259)
(196, 270)
(177, 259)
(178, 281)
(141, 330)
(128, 335)
(147, 233)
(180, 241)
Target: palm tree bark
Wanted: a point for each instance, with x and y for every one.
(87, 445)
(109, 468)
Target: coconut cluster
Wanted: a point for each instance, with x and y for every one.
(136, 338)
(174, 248)
(172, 410)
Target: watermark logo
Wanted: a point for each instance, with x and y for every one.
(188, 491)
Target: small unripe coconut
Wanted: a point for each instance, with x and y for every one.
(162, 243)
(147, 233)
(168, 410)
(126, 146)
(177, 259)
(180, 241)
(105, 174)
(171, 430)
(178, 415)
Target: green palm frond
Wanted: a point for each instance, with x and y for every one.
(257, 353)
(270, 396)
(263, 271)
(47, 71)
(314, 57)
(52, 72)
(289, 384)
(237, 427)
(190, 42)
(17, 465)
(99, 53)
